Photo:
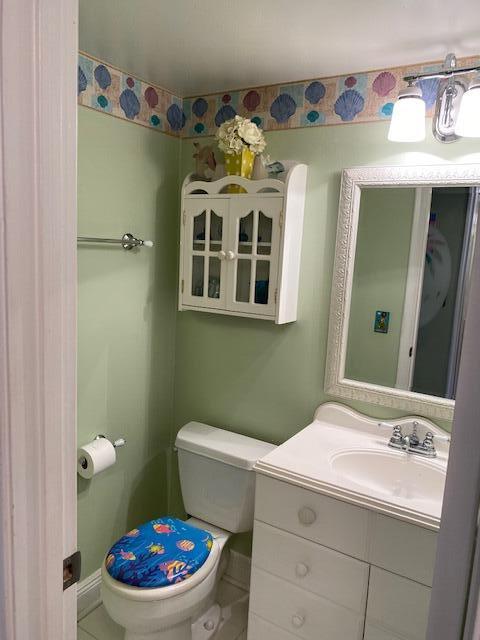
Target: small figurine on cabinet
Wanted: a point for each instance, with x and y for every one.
(206, 164)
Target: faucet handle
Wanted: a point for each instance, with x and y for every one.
(397, 435)
(428, 445)
(428, 442)
(429, 436)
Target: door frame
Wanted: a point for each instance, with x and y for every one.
(38, 111)
(413, 289)
(454, 608)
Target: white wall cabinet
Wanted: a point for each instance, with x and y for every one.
(324, 569)
(240, 252)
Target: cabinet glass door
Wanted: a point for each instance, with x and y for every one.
(204, 253)
(254, 244)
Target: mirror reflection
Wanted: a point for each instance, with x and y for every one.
(410, 287)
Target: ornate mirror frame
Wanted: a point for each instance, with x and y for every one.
(352, 182)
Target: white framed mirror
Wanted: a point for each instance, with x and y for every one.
(403, 258)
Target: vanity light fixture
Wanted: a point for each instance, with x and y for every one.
(408, 117)
(457, 106)
(468, 121)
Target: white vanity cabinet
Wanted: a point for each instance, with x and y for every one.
(240, 252)
(325, 569)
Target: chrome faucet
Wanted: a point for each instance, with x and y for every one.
(411, 443)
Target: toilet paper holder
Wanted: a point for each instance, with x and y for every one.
(83, 459)
(119, 442)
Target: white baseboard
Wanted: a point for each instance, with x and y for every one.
(88, 590)
(88, 594)
(238, 570)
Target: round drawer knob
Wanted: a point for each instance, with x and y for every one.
(301, 570)
(298, 621)
(307, 516)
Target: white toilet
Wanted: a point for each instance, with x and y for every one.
(218, 488)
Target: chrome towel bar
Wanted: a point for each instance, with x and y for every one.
(128, 241)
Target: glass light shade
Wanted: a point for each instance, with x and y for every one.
(468, 120)
(408, 117)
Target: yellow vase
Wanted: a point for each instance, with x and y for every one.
(239, 164)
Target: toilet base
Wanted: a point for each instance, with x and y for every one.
(207, 624)
(202, 629)
(182, 631)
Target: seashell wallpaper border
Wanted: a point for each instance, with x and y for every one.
(110, 90)
(353, 98)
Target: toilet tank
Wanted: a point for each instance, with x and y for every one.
(216, 475)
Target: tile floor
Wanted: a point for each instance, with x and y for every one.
(99, 626)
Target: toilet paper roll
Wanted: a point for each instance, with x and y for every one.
(95, 457)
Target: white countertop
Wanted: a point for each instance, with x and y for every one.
(344, 454)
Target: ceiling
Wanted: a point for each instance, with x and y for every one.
(193, 47)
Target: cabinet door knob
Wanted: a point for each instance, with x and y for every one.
(298, 620)
(230, 255)
(301, 570)
(222, 255)
(307, 516)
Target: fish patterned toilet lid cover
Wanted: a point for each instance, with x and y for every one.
(159, 553)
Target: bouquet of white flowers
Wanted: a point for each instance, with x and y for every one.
(238, 134)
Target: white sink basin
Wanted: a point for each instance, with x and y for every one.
(396, 474)
(345, 454)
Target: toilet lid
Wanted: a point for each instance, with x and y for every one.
(159, 553)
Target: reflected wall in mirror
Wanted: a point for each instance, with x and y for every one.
(412, 266)
(405, 247)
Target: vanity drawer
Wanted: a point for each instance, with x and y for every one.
(308, 565)
(300, 612)
(398, 605)
(329, 521)
(375, 633)
(403, 548)
(259, 629)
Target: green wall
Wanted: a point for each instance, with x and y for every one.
(127, 181)
(144, 369)
(379, 282)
